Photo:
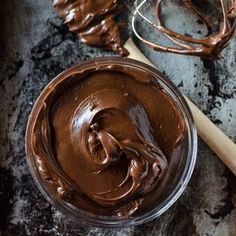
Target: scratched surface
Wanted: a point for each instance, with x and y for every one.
(34, 47)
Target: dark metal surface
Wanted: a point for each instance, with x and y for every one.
(34, 47)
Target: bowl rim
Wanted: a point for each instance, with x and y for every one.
(83, 218)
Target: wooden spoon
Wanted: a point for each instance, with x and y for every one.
(223, 146)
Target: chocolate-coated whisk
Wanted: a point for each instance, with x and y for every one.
(209, 47)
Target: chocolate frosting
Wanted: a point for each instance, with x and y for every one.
(93, 21)
(104, 139)
(209, 47)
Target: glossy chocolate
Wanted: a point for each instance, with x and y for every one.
(209, 47)
(93, 21)
(107, 139)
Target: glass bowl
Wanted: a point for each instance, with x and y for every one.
(174, 191)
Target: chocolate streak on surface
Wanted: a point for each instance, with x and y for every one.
(94, 22)
(106, 138)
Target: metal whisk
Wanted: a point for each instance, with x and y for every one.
(209, 47)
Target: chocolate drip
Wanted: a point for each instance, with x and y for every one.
(94, 22)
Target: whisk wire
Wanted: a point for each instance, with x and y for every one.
(209, 47)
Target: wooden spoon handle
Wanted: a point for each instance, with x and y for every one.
(223, 146)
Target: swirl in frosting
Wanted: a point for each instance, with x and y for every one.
(103, 139)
